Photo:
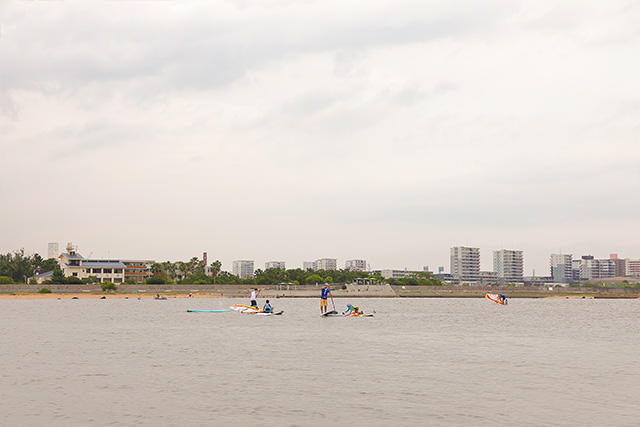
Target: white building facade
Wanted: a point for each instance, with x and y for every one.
(356, 265)
(53, 251)
(326, 264)
(561, 268)
(465, 264)
(75, 265)
(395, 274)
(508, 265)
(274, 264)
(243, 268)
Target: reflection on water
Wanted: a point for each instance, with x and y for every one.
(418, 362)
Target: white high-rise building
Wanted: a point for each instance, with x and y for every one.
(508, 265)
(356, 265)
(561, 268)
(243, 268)
(465, 264)
(326, 264)
(274, 264)
(308, 265)
(52, 250)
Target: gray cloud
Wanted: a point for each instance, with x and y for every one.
(296, 130)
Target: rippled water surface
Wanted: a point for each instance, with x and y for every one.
(417, 362)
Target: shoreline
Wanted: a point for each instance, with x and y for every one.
(310, 291)
(169, 295)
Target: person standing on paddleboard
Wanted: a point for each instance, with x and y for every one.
(254, 297)
(324, 295)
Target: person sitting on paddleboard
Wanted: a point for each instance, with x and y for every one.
(324, 294)
(254, 296)
(267, 307)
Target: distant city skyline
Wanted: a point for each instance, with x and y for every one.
(487, 259)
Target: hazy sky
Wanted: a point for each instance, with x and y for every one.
(295, 130)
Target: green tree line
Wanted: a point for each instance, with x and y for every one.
(192, 272)
(16, 267)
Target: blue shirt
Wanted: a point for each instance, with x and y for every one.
(325, 293)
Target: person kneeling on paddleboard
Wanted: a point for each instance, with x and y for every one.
(254, 296)
(352, 310)
(267, 307)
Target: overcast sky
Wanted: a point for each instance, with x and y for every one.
(295, 130)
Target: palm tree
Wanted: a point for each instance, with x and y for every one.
(216, 266)
(171, 269)
(156, 269)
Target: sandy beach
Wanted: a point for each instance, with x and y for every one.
(82, 295)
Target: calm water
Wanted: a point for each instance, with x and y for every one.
(418, 362)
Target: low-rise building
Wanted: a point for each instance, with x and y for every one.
(589, 268)
(75, 265)
(445, 277)
(43, 277)
(137, 270)
(488, 277)
(104, 270)
(632, 268)
(395, 274)
(539, 280)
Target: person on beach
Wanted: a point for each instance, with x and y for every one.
(503, 298)
(254, 297)
(267, 307)
(324, 295)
